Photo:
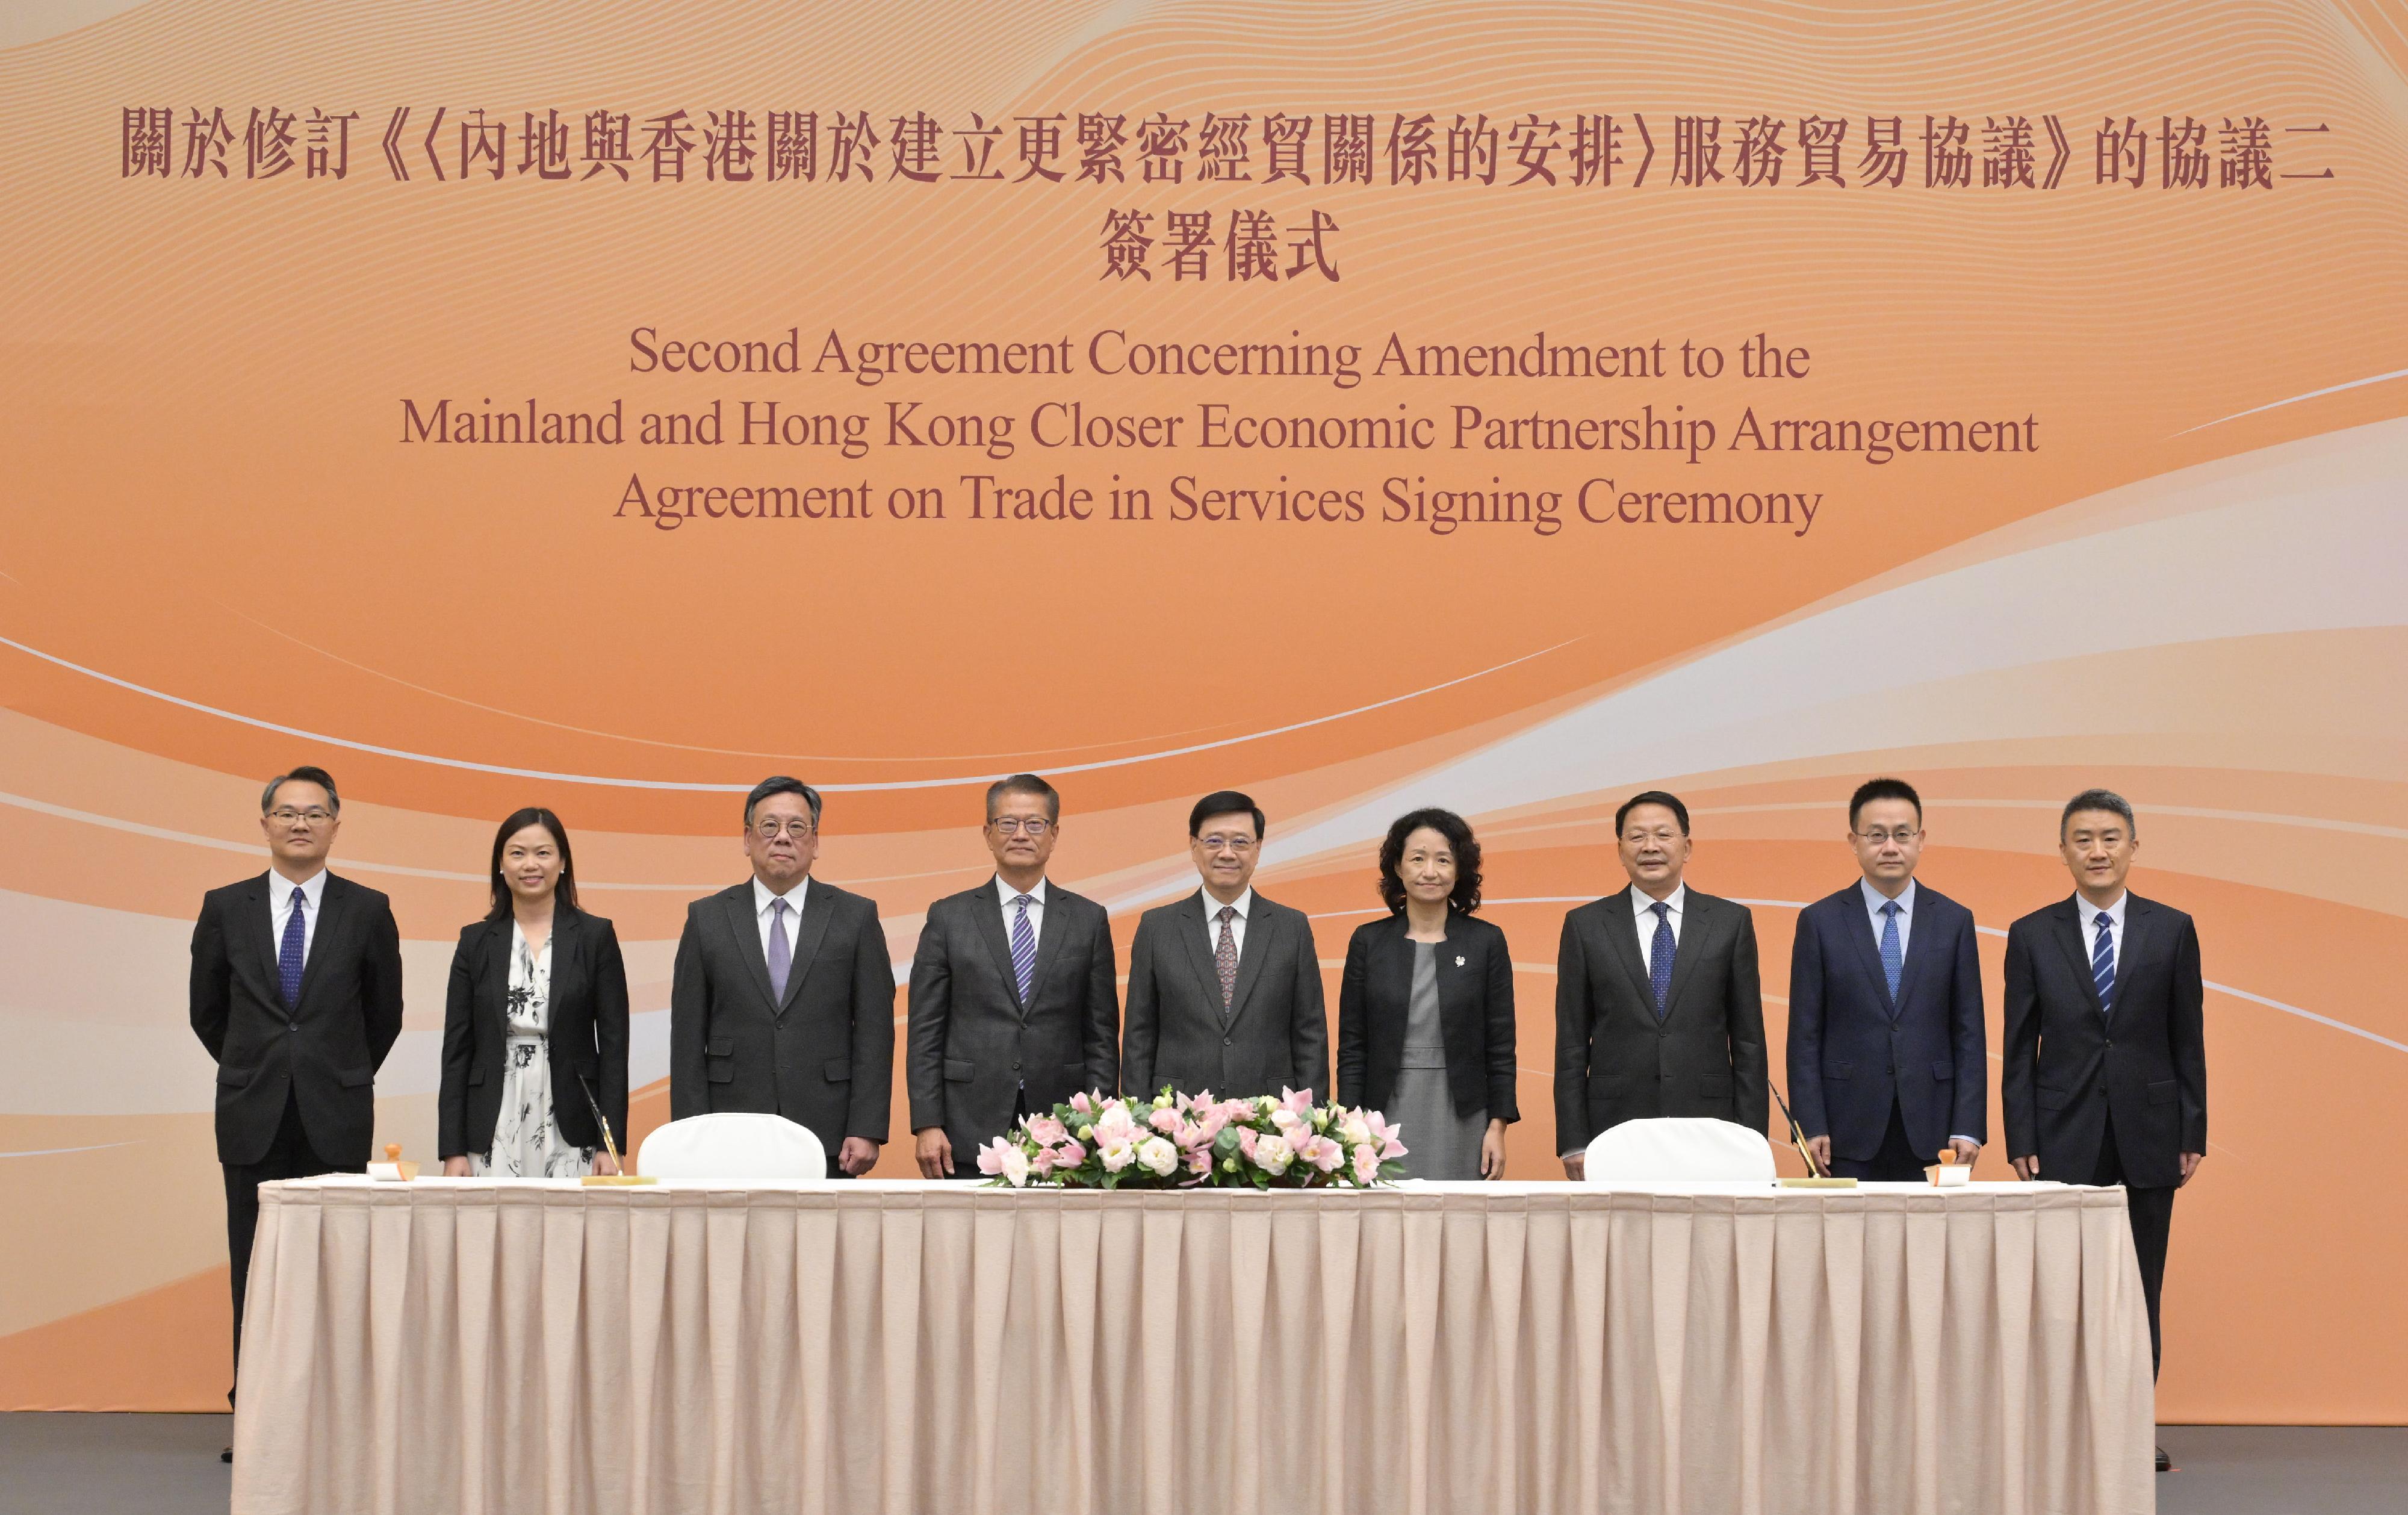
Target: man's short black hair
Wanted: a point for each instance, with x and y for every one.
(305, 774)
(1225, 803)
(1885, 788)
(1028, 784)
(2098, 800)
(1653, 796)
(782, 785)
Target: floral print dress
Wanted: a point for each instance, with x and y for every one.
(527, 1143)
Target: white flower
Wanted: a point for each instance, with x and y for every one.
(1117, 1155)
(1273, 1154)
(1015, 1167)
(1355, 1130)
(1158, 1156)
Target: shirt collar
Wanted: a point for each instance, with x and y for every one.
(1642, 904)
(794, 897)
(2087, 914)
(1036, 892)
(279, 889)
(1244, 904)
(1875, 900)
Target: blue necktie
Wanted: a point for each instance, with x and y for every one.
(1892, 956)
(1659, 959)
(288, 954)
(2102, 964)
(781, 956)
(1024, 947)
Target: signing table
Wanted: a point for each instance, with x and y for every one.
(516, 1348)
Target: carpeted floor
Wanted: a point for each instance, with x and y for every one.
(168, 1465)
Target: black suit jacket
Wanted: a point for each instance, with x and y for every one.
(1275, 1033)
(973, 1044)
(1614, 1062)
(1475, 1002)
(1853, 1052)
(2068, 1067)
(325, 1052)
(823, 1057)
(585, 1033)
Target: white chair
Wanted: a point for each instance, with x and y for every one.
(732, 1148)
(1679, 1149)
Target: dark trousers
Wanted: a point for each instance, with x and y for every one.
(966, 1168)
(1897, 1162)
(2152, 1211)
(288, 1156)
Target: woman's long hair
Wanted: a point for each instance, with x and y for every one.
(566, 892)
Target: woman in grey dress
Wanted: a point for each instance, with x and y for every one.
(1425, 1011)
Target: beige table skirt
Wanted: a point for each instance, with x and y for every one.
(525, 1348)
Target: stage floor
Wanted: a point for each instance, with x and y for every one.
(168, 1465)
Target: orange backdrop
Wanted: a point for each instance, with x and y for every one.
(218, 558)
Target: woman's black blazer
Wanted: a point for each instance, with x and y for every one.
(586, 1026)
(1475, 1001)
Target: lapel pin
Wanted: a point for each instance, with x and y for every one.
(1458, 962)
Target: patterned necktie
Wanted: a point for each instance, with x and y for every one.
(2102, 964)
(1023, 947)
(782, 954)
(1225, 956)
(1892, 956)
(1659, 959)
(288, 954)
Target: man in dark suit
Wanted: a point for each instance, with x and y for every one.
(783, 1000)
(1659, 1011)
(2105, 1079)
(1886, 1059)
(1014, 1000)
(296, 993)
(1224, 985)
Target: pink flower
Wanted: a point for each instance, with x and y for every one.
(1199, 1161)
(1367, 1165)
(990, 1157)
(1082, 1104)
(1046, 1130)
(1069, 1155)
(1165, 1120)
(1298, 1101)
(1386, 1135)
(1246, 1142)
(1043, 1163)
(1323, 1154)
(1115, 1125)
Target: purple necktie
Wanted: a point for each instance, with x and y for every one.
(1024, 947)
(288, 953)
(782, 957)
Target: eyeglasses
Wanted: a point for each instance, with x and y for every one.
(1032, 826)
(769, 829)
(1881, 839)
(1217, 843)
(313, 816)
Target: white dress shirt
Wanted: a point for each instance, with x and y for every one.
(1011, 911)
(2088, 914)
(793, 898)
(1243, 903)
(280, 909)
(1644, 907)
(1875, 900)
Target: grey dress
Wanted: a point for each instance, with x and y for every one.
(1439, 1143)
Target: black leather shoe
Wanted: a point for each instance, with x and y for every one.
(2165, 1464)
(228, 1455)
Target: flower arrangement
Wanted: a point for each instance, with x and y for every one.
(1172, 1141)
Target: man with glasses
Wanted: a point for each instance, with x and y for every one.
(1224, 985)
(1015, 1005)
(1887, 1058)
(296, 993)
(783, 1000)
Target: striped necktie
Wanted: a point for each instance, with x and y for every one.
(2102, 964)
(1024, 947)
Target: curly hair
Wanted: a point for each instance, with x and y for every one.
(1459, 840)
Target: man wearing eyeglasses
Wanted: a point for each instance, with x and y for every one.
(1224, 985)
(296, 993)
(1887, 1060)
(783, 1000)
(1015, 1005)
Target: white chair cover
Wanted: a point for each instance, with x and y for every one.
(1679, 1149)
(732, 1148)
